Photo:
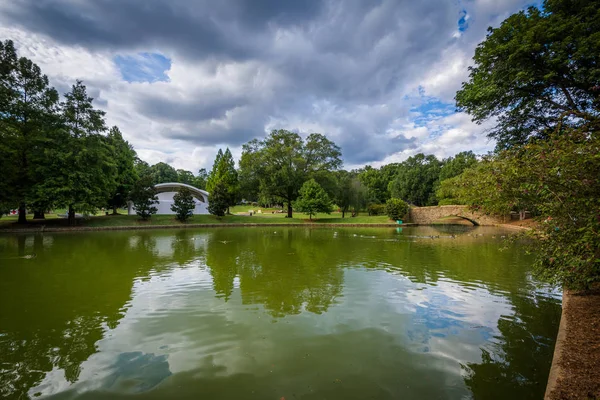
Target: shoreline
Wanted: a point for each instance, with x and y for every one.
(54, 229)
(576, 359)
(44, 229)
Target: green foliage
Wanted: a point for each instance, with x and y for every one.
(313, 199)
(377, 182)
(143, 196)
(124, 157)
(218, 200)
(141, 167)
(28, 112)
(224, 172)
(376, 209)
(79, 167)
(186, 177)
(200, 179)
(558, 177)
(536, 68)
(417, 179)
(163, 173)
(454, 166)
(344, 191)
(278, 166)
(183, 204)
(396, 209)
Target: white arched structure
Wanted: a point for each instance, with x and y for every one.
(165, 194)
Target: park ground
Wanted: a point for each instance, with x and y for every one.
(266, 216)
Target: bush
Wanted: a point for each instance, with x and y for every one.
(376, 209)
(183, 204)
(143, 196)
(396, 209)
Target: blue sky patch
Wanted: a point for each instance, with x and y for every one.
(431, 108)
(463, 21)
(143, 67)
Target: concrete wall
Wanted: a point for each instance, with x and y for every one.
(428, 215)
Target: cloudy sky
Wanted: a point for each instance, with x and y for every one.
(182, 78)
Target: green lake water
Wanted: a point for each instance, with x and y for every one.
(273, 313)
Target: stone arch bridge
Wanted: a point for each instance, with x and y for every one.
(428, 215)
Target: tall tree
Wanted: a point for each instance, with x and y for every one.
(83, 167)
(224, 172)
(214, 175)
(28, 109)
(124, 157)
(282, 162)
(417, 180)
(539, 69)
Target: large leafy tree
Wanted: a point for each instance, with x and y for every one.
(124, 157)
(558, 177)
(417, 179)
(186, 177)
(539, 69)
(81, 170)
(313, 199)
(377, 181)
(163, 173)
(281, 163)
(28, 112)
(344, 191)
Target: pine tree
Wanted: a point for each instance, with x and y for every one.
(217, 202)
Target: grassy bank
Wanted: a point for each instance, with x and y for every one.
(169, 220)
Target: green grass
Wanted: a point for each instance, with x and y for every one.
(157, 220)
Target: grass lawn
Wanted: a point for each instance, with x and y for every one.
(264, 218)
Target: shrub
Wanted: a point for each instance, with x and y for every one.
(376, 209)
(183, 204)
(143, 196)
(396, 209)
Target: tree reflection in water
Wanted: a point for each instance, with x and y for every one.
(56, 307)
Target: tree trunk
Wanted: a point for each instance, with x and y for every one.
(521, 215)
(289, 210)
(39, 214)
(115, 212)
(310, 217)
(71, 217)
(22, 214)
(343, 213)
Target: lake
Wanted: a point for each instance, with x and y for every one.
(274, 313)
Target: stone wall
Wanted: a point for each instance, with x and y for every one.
(428, 215)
